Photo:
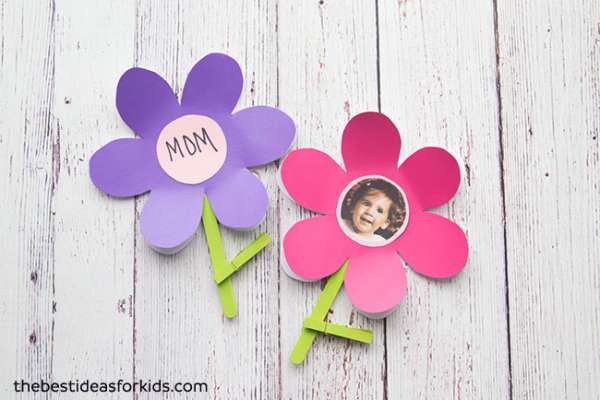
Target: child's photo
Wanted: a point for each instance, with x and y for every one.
(373, 212)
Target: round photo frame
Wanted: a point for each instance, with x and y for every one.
(372, 211)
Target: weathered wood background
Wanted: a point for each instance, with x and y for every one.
(511, 87)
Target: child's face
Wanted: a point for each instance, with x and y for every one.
(371, 213)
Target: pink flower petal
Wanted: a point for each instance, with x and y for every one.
(313, 179)
(145, 101)
(433, 245)
(371, 143)
(375, 280)
(433, 176)
(316, 247)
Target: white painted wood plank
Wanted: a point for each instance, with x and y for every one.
(438, 84)
(550, 86)
(94, 233)
(179, 328)
(28, 179)
(437, 66)
(327, 73)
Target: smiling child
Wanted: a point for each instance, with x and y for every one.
(373, 210)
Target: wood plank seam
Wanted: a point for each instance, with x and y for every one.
(385, 321)
(503, 192)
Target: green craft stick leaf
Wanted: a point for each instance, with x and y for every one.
(344, 331)
(326, 299)
(262, 241)
(348, 332)
(224, 272)
(315, 324)
(243, 257)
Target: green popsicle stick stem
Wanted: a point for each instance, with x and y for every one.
(328, 295)
(222, 268)
(315, 323)
(227, 297)
(218, 260)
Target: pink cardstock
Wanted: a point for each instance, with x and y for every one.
(374, 214)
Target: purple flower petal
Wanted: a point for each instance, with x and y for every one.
(171, 216)
(145, 101)
(239, 200)
(263, 134)
(213, 85)
(124, 168)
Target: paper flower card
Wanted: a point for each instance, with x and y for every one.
(374, 213)
(193, 158)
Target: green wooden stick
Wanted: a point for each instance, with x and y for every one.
(218, 260)
(315, 323)
(243, 257)
(328, 295)
(223, 269)
(343, 331)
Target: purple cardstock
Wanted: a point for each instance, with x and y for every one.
(254, 136)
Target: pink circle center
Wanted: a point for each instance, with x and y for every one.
(191, 149)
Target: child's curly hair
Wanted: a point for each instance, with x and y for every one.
(397, 212)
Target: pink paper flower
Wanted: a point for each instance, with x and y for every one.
(373, 212)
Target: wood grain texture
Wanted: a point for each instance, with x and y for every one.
(511, 88)
(28, 138)
(549, 53)
(438, 84)
(93, 237)
(328, 72)
(180, 332)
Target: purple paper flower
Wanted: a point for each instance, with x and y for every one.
(189, 150)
